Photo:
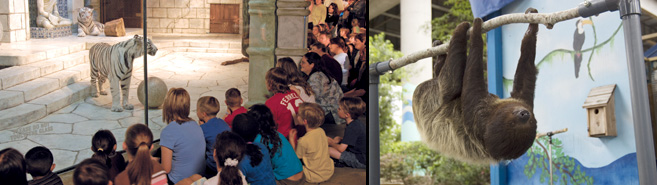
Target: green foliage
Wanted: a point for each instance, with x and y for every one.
(564, 168)
(382, 50)
(406, 160)
(443, 26)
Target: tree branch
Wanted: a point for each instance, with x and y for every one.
(548, 19)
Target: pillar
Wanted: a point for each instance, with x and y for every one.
(292, 29)
(415, 15)
(262, 42)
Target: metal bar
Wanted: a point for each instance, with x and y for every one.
(498, 172)
(373, 166)
(630, 12)
(144, 16)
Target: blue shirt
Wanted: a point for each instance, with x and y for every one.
(285, 160)
(211, 129)
(261, 174)
(188, 146)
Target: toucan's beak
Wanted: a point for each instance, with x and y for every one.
(587, 21)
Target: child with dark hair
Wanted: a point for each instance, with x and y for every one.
(103, 144)
(287, 167)
(352, 149)
(207, 108)
(228, 152)
(39, 165)
(234, 102)
(91, 172)
(312, 150)
(181, 141)
(12, 167)
(142, 169)
(284, 103)
(256, 165)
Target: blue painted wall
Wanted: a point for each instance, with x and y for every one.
(560, 96)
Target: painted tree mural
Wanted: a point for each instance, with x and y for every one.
(564, 168)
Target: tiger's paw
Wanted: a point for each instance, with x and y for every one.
(128, 106)
(117, 109)
(95, 95)
(102, 93)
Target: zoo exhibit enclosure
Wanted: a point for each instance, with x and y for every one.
(629, 13)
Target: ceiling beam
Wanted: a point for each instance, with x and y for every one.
(434, 6)
(387, 33)
(392, 16)
(649, 36)
(377, 7)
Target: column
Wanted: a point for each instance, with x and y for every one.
(415, 15)
(292, 28)
(262, 42)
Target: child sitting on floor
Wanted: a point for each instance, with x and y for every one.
(103, 144)
(39, 165)
(311, 149)
(234, 102)
(207, 108)
(350, 150)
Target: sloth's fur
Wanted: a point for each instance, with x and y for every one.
(456, 115)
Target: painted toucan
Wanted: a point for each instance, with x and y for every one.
(578, 41)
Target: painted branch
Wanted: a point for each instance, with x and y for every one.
(547, 19)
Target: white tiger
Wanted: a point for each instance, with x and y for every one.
(115, 62)
(86, 24)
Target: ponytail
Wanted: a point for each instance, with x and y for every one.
(230, 174)
(102, 144)
(229, 149)
(138, 139)
(254, 152)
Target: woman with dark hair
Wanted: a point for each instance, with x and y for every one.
(326, 89)
(286, 164)
(358, 74)
(12, 167)
(296, 81)
(256, 165)
(332, 15)
(103, 144)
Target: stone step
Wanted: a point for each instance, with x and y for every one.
(63, 97)
(36, 88)
(16, 75)
(24, 57)
(10, 99)
(207, 50)
(60, 63)
(21, 115)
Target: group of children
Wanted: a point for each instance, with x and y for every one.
(245, 147)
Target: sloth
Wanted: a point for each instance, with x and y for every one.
(456, 115)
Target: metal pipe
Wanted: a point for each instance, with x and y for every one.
(145, 63)
(373, 167)
(595, 7)
(630, 12)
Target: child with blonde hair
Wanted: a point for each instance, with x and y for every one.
(207, 108)
(311, 149)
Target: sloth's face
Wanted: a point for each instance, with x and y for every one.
(511, 131)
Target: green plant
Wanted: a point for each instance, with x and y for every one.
(565, 170)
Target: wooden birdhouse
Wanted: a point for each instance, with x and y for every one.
(599, 107)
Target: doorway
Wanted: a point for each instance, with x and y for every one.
(129, 10)
(225, 18)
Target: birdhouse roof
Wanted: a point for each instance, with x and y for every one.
(599, 96)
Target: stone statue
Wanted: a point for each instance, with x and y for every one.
(49, 16)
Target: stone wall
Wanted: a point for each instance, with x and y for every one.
(14, 17)
(182, 16)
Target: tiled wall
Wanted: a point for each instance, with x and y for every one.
(14, 20)
(42, 33)
(182, 16)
